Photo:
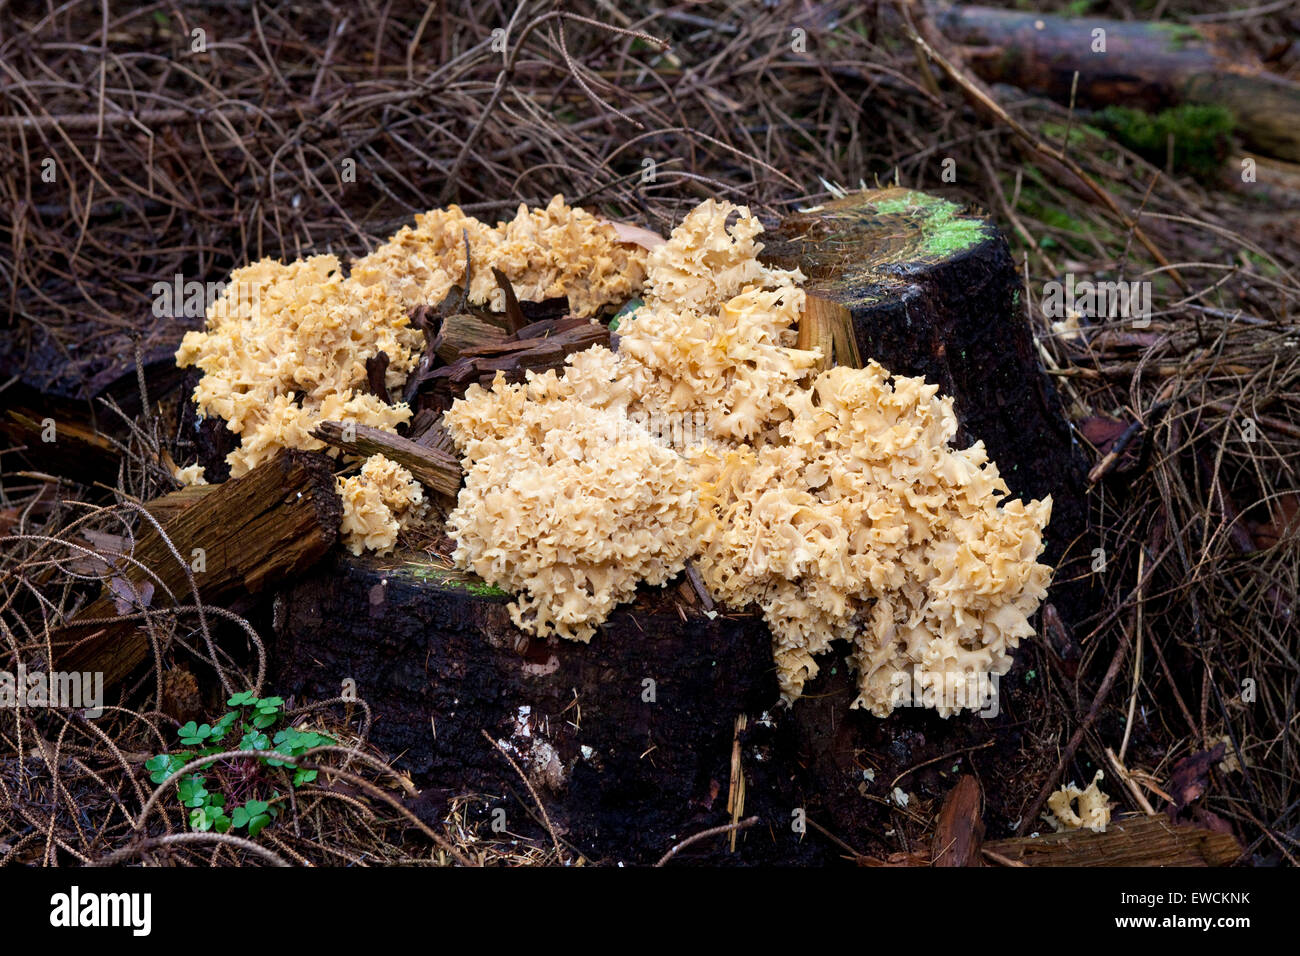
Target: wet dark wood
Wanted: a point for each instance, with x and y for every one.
(626, 740)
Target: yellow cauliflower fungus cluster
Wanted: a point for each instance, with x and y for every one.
(546, 253)
(285, 347)
(567, 504)
(717, 332)
(862, 523)
(832, 501)
(377, 503)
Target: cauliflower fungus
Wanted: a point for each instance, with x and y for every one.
(546, 253)
(1093, 811)
(567, 504)
(377, 503)
(285, 347)
(832, 501)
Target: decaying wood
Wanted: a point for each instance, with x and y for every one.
(828, 325)
(460, 332)
(922, 286)
(170, 505)
(960, 828)
(1148, 65)
(1128, 841)
(623, 767)
(514, 356)
(58, 437)
(433, 468)
(469, 349)
(253, 531)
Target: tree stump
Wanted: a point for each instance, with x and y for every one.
(640, 738)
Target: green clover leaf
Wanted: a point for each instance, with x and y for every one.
(192, 792)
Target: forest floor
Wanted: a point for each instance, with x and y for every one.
(277, 133)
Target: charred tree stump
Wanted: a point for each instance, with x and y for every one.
(631, 741)
(627, 740)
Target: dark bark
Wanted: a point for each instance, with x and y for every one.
(440, 662)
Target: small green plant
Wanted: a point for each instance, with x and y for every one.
(1201, 135)
(250, 780)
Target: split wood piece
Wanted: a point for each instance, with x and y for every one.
(960, 827)
(254, 531)
(1128, 841)
(170, 505)
(460, 332)
(435, 469)
(481, 364)
(1146, 65)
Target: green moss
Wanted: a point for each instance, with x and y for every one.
(952, 235)
(454, 579)
(1178, 35)
(1202, 135)
(944, 230)
(1082, 136)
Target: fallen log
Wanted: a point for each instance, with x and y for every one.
(250, 532)
(631, 741)
(59, 437)
(74, 384)
(1147, 65)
